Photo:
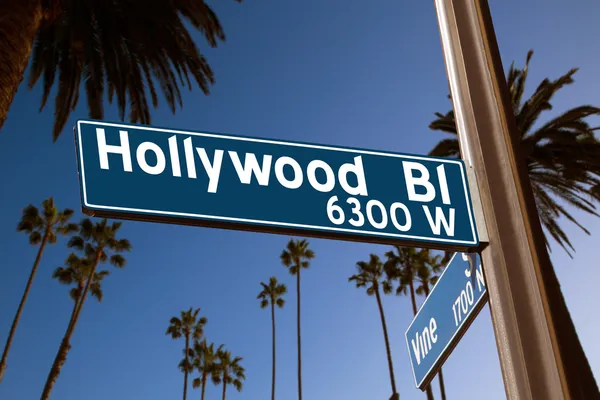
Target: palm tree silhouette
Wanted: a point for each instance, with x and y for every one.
(205, 359)
(402, 266)
(296, 257)
(125, 47)
(371, 276)
(272, 294)
(42, 229)
(230, 371)
(99, 243)
(189, 326)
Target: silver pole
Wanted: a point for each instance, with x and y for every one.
(530, 357)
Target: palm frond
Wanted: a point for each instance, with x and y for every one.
(147, 46)
(35, 238)
(67, 228)
(296, 255)
(63, 275)
(31, 221)
(446, 148)
(286, 258)
(118, 260)
(370, 274)
(76, 242)
(196, 383)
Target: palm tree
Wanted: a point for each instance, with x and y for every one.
(189, 326)
(563, 159)
(205, 359)
(402, 266)
(272, 294)
(429, 273)
(41, 229)
(427, 276)
(230, 372)
(125, 47)
(563, 155)
(99, 243)
(371, 276)
(75, 272)
(295, 257)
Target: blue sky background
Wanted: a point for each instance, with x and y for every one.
(326, 72)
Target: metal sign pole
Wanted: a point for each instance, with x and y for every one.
(534, 362)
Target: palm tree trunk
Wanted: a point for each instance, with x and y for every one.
(224, 387)
(413, 298)
(429, 392)
(579, 370)
(273, 334)
(18, 27)
(80, 287)
(440, 374)
(299, 340)
(442, 387)
(413, 301)
(13, 327)
(185, 372)
(387, 343)
(203, 385)
(65, 346)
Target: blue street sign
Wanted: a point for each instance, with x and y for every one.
(448, 311)
(146, 173)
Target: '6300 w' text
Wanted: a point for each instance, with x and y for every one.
(380, 215)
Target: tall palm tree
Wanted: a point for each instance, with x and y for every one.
(402, 266)
(123, 46)
(230, 372)
(427, 276)
(98, 241)
(76, 272)
(563, 155)
(42, 228)
(563, 160)
(205, 360)
(371, 276)
(295, 257)
(189, 326)
(272, 294)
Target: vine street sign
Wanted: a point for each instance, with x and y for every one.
(235, 182)
(444, 317)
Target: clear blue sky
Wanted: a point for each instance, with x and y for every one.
(348, 73)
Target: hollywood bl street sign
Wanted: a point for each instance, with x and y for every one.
(236, 182)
